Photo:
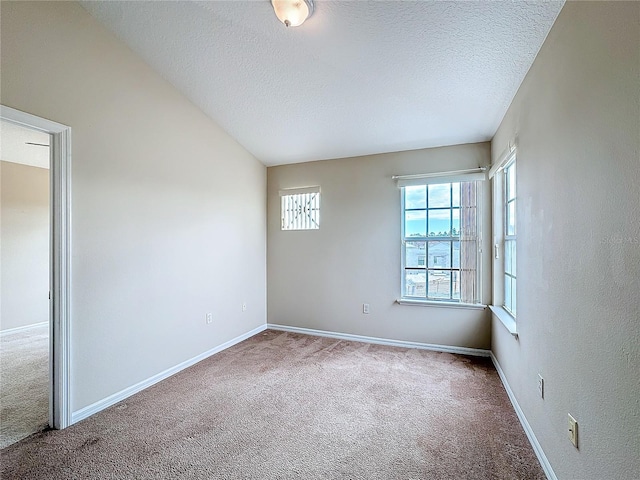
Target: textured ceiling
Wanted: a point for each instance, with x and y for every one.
(16, 145)
(359, 77)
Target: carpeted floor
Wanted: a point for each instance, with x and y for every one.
(285, 406)
(24, 382)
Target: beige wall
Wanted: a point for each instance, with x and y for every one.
(577, 119)
(24, 245)
(319, 279)
(168, 211)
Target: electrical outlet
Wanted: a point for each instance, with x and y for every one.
(209, 317)
(573, 431)
(365, 308)
(244, 307)
(541, 385)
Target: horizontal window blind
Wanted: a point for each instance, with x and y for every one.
(503, 160)
(300, 190)
(475, 174)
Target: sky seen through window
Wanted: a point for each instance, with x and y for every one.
(440, 222)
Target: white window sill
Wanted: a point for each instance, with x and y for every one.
(506, 319)
(435, 303)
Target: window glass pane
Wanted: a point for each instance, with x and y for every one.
(413, 253)
(508, 245)
(455, 218)
(507, 192)
(455, 283)
(415, 283)
(440, 254)
(511, 175)
(513, 258)
(439, 284)
(511, 218)
(507, 292)
(456, 255)
(415, 223)
(455, 195)
(415, 197)
(439, 222)
(440, 195)
(513, 295)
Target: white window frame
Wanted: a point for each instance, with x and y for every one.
(510, 304)
(499, 225)
(442, 178)
(300, 208)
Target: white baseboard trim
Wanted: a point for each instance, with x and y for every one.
(537, 448)
(381, 341)
(26, 328)
(127, 392)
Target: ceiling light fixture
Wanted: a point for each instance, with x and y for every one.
(292, 13)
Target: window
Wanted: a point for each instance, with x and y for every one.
(300, 208)
(510, 237)
(440, 242)
(503, 176)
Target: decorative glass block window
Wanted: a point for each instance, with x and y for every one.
(300, 208)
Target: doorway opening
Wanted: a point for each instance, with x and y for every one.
(24, 285)
(36, 273)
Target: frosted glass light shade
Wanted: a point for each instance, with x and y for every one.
(292, 12)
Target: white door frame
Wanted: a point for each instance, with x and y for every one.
(59, 261)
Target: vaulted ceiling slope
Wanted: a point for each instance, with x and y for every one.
(359, 77)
